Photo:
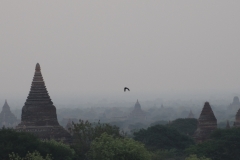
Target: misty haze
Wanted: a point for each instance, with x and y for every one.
(143, 80)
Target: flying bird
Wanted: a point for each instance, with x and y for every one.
(125, 88)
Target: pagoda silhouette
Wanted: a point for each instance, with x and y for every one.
(39, 114)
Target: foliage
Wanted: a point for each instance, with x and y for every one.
(194, 157)
(59, 150)
(85, 132)
(21, 143)
(162, 137)
(136, 127)
(30, 156)
(224, 144)
(185, 125)
(165, 154)
(106, 147)
(161, 122)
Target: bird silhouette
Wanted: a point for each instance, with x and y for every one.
(125, 88)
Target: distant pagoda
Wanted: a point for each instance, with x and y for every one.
(237, 120)
(137, 112)
(7, 118)
(39, 114)
(190, 115)
(207, 122)
(235, 105)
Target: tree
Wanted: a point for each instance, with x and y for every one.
(85, 132)
(30, 156)
(107, 147)
(59, 150)
(223, 144)
(165, 154)
(162, 137)
(194, 157)
(12, 141)
(185, 125)
(22, 142)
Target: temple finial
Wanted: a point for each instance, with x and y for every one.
(6, 102)
(37, 67)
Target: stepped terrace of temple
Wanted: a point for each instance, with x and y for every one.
(39, 114)
(207, 123)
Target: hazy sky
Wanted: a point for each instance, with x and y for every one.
(99, 47)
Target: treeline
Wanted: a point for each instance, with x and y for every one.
(100, 141)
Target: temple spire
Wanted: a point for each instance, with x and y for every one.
(39, 113)
(207, 122)
(38, 68)
(6, 106)
(42, 109)
(7, 118)
(190, 115)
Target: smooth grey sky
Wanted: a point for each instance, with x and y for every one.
(99, 47)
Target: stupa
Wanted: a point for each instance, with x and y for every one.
(235, 105)
(7, 118)
(137, 112)
(39, 114)
(237, 120)
(69, 126)
(190, 115)
(207, 122)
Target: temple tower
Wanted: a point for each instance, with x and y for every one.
(237, 120)
(137, 112)
(39, 114)
(207, 122)
(235, 105)
(7, 118)
(190, 115)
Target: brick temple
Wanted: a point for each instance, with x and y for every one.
(207, 122)
(237, 120)
(39, 114)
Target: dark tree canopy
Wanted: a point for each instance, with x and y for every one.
(224, 144)
(85, 132)
(163, 137)
(185, 125)
(22, 142)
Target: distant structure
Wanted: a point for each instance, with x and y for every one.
(39, 114)
(237, 120)
(69, 125)
(191, 115)
(162, 106)
(207, 122)
(7, 118)
(65, 121)
(137, 113)
(228, 126)
(235, 105)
